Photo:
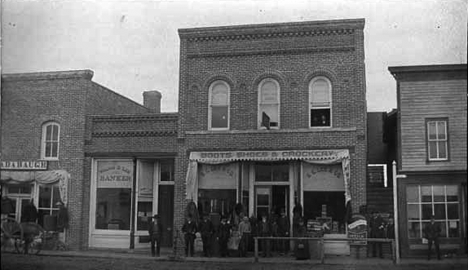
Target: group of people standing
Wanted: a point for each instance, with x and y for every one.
(381, 229)
(237, 233)
(378, 228)
(210, 234)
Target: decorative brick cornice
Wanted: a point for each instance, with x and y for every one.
(165, 117)
(55, 75)
(315, 32)
(143, 133)
(272, 30)
(234, 53)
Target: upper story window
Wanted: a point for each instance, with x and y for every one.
(268, 104)
(219, 106)
(437, 139)
(320, 102)
(50, 141)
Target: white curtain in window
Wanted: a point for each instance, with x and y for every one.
(320, 96)
(42, 177)
(145, 178)
(219, 94)
(269, 100)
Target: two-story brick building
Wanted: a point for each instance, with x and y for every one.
(271, 116)
(431, 154)
(43, 137)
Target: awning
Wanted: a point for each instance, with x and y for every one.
(41, 177)
(231, 156)
(331, 156)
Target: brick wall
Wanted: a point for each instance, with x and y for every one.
(101, 100)
(31, 99)
(293, 54)
(150, 133)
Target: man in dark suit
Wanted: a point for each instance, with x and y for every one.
(431, 233)
(206, 231)
(224, 233)
(155, 232)
(189, 229)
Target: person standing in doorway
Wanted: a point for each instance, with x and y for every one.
(283, 231)
(264, 231)
(432, 233)
(155, 232)
(189, 229)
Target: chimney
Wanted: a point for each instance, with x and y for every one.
(152, 100)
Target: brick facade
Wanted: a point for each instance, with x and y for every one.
(292, 54)
(31, 99)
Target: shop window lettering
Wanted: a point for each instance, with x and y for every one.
(115, 178)
(217, 168)
(116, 167)
(332, 170)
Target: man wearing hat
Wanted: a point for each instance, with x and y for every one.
(155, 232)
(432, 233)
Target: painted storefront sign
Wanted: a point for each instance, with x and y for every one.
(24, 165)
(115, 174)
(357, 229)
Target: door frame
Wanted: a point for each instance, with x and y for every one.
(294, 169)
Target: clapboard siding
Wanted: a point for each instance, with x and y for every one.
(420, 100)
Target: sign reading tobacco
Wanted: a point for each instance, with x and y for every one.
(23, 165)
(358, 230)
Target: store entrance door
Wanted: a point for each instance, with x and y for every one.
(166, 213)
(271, 199)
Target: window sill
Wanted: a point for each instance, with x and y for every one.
(300, 130)
(429, 161)
(49, 159)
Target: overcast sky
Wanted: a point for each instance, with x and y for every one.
(133, 46)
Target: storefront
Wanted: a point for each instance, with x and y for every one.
(440, 194)
(26, 182)
(266, 182)
(125, 194)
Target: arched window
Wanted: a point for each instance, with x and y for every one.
(219, 106)
(320, 90)
(50, 141)
(268, 104)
